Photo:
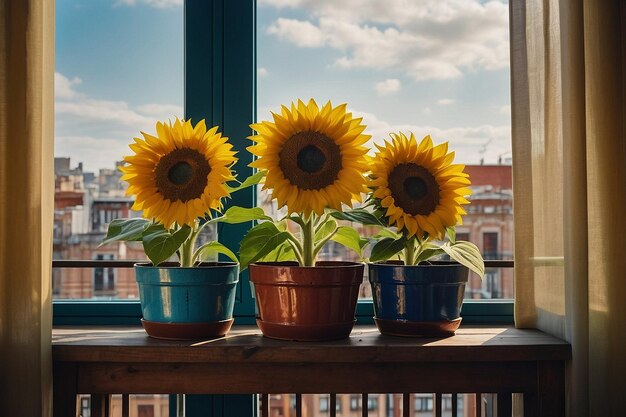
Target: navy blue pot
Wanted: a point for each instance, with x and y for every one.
(187, 303)
(422, 300)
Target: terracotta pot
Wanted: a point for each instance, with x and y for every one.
(417, 300)
(306, 303)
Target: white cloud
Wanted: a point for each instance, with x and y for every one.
(433, 39)
(446, 101)
(304, 34)
(505, 109)
(465, 141)
(387, 87)
(64, 87)
(159, 4)
(427, 110)
(262, 72)
(97, 132)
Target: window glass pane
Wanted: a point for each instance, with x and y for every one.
(438, 67)
(119, 69)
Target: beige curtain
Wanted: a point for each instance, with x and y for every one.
(569, 149)
(26, 205)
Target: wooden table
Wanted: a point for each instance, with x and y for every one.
(123, 360)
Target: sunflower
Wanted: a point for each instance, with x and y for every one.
(178, 175)
(419, 188)
(314, 157)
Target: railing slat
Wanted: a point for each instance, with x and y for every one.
(406, 404)
(478, 401)
(504, 404)
(100, 405)
(125, 405)
(333, 405)
(364, 405)
(298, 405)
(264, 400)
(455, 405)
(438, 410)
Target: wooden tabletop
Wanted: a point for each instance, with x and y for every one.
(245, 344)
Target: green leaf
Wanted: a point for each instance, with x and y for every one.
(283, 252)
(326, 229)
(349, 238)
(451, 232)
(429, 251)
(466, 253)
(386, 248)
(207, 251)
(358, 215)
(386, 233)
(237, 214)
(125, 229)
(159, 243)
(259, 241)
(253, 179)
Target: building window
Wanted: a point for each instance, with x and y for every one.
(491, 283)
(323, 403)
(490, 245)
(145, 410)
(85, 407)
(355, 402)
(372, 403)
(423, 403)
(103, 277)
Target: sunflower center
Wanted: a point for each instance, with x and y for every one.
(310, 160)
(182, 174)
(414, 189)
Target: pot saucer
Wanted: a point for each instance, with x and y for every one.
(187, 331)
(406, 328)
(306, 332)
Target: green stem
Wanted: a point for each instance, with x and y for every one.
(409, 252)
(322, 242)
(296, 246)
(308, 241)
(187, 255)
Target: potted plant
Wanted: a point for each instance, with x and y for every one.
(420, 193)
(179, 179)
(313, 160)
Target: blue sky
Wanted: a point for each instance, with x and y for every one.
(436, 67)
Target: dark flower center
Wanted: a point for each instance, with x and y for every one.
(310, 160)
(414, 189)
(182, 174)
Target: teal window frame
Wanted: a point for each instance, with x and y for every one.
(220, 86)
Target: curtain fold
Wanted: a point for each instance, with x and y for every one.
(569, 149)
(26, 205)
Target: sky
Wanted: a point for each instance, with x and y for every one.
(438, 67)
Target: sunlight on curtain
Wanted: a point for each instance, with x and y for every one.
(569, 148)
(26, 205)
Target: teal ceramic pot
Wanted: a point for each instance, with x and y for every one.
(187, 303)
(422, 300)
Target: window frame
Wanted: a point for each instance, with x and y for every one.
(215, 34)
